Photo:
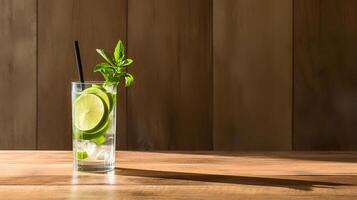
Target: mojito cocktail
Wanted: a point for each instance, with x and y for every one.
(94, 126)
(94, 111)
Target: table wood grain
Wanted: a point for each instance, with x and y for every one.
(182, 175)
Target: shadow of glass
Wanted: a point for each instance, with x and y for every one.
(328, 156)
(228, 179)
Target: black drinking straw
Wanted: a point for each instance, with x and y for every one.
(78, 61)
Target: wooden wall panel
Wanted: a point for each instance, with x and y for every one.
(96, 24)
(180, 100)
(325, 94)
(169, 105)
(18, 74)
(252, 42)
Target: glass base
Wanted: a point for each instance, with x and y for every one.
(95, 168)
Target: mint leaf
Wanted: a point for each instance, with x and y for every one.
(114, 67)
(106, 56)
(101, 67)
(106, 72)
(129, 79)
(119, 52)
(126, 62)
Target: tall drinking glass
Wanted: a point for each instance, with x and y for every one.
(93, 126)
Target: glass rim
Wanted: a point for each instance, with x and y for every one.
(87, 82)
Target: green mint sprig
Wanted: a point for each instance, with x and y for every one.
(114, 67)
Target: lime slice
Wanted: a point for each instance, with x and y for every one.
(101, 92)
(80, 155)
(90, 135)
(89, 112)
(100, 130)
(99, 140)
(97, 86)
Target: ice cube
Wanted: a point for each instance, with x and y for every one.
(90, 147)
(78, 145)
(103, 155)
(84, 145)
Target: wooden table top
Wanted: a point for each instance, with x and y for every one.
(182, 175)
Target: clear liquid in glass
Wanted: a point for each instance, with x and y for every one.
(97, 157)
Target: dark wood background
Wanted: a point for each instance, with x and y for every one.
(210, 74)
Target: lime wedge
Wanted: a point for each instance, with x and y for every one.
(80, 155)
(99, 140)
(101, 92)
(90, 112)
